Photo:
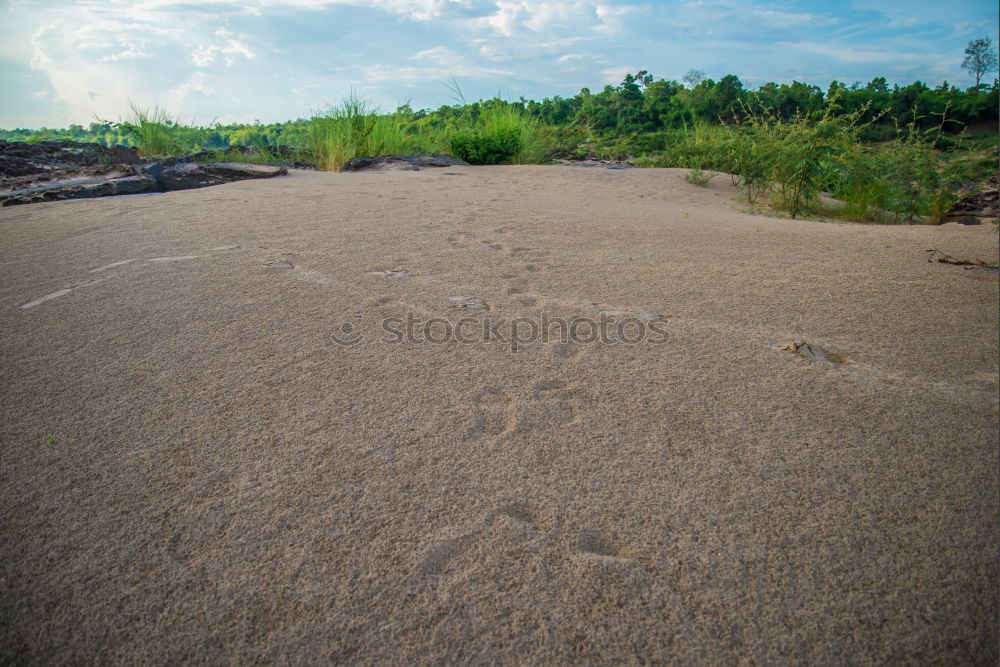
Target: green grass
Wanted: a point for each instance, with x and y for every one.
(696, 176)
(490, 132)
(354, 128)
(155, 133)
(781, 163)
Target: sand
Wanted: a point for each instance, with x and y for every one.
(192, 469)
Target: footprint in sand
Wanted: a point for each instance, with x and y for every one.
(495, 413)
(552, 403)
(443, 553)
(568, 351)
(504, 528)
(604, 545)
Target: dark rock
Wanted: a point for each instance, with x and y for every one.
(123, 155)
(401, 162)
(190, 175)
(982, 202)
(53, 170)
(83, 188)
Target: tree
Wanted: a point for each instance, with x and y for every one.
(694, 77)
(980, 58)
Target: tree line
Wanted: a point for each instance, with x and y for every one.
(639, 104)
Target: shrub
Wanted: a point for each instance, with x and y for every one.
(698, 177)
(486, 147)
(496, 131)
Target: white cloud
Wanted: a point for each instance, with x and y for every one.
(441, 55)
(614, 75)
(207, 58)
(204, 54)
(848, 54)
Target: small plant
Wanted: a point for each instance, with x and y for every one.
(696, 176)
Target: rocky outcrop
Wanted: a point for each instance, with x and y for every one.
(982, 202)
(49, 171)
(401, 163)
(190, 175)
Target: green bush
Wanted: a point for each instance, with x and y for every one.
(486, 147)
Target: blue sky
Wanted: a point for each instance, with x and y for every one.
(64, 62)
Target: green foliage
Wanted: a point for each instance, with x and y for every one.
(749, 160)
(883, 150)
(494, 133)
(354, 129)
(155, 133)
(805, 155)
(486, 147)
(698, 177)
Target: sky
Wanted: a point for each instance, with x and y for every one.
(227, 61)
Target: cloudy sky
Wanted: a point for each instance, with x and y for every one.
(65, 61)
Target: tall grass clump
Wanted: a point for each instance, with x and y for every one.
(155, 133)
(496, 132)
(354, 128)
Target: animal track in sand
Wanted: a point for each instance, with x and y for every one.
(568, 351)
(549, 403)
(505, 527)
(511, 528)
(469, 303)
(518, 512)
(537, 258)
(494, 413)
(389, 273)
(552, 403)
(602, 544)
(444, 552)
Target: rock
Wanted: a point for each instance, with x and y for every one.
(123, 155)
(401, 162)
(190, 175)
(125, 185)
(53, 170)
(982, 202)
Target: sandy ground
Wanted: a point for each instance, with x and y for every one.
(191, 467)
